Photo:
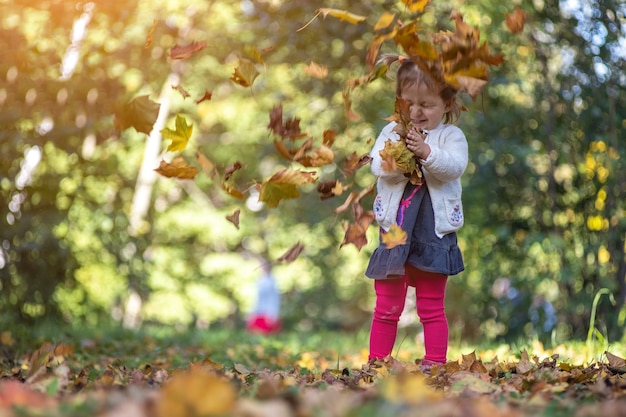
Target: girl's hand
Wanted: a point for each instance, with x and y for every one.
(416, 144)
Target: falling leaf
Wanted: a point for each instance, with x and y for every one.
(181, 90)
(319, 157)
(207, 96)
(329, 137)
(234, 218)
(178, 168)
(329, 189)
(232, 190)
(385, 20)
(150, 34)
(140, 113)
(231, 169)
(228, 184)
(283, 185)
(351, 115)
(416, 6)
(316, 70)
(353, 162)
(515, 21)
(207, 166)
(245, 73)
(292, 253)
(395, 236)
(356, 233)
(289, 130)
(180, 136)
(342, 15)
(186, 52)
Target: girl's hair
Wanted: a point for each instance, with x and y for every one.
(409, 73)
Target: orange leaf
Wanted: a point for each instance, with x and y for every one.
(207, 166)
(185, 52)
(245, 73)
(292, 253)
(515, 21)
(178, 168)
(150, 34)
(395, 236)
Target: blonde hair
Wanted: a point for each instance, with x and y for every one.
(409, 74)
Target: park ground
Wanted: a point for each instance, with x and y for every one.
(161, 371)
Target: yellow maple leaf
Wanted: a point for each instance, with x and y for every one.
(395, 236)
(180, 136)
(284, 185)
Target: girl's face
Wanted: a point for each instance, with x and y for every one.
(426, 107)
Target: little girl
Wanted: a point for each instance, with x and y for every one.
(429, 213)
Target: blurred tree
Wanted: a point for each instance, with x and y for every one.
(544, 191)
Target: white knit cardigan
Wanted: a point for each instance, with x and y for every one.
(442, 171)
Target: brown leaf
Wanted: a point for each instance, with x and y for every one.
(181, 90)
(353, 162)
(292, 253)
(207, 166)
(178, 168)
(234, 218)
(515, 21)
(316, 70)
(207, 96)
(614, 360)
(185, 52)
(356, 232)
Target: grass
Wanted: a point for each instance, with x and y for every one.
(314, 351)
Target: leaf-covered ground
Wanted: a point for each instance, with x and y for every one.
(248, 376)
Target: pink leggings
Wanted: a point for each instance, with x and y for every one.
(430, 289)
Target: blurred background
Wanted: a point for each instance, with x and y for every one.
(89, 239)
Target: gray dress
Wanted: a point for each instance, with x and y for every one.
(424, 249)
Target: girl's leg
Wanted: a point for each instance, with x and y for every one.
(390, 297)
(430, 290)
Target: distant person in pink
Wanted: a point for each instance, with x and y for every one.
(265, 317)
(430, 213)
